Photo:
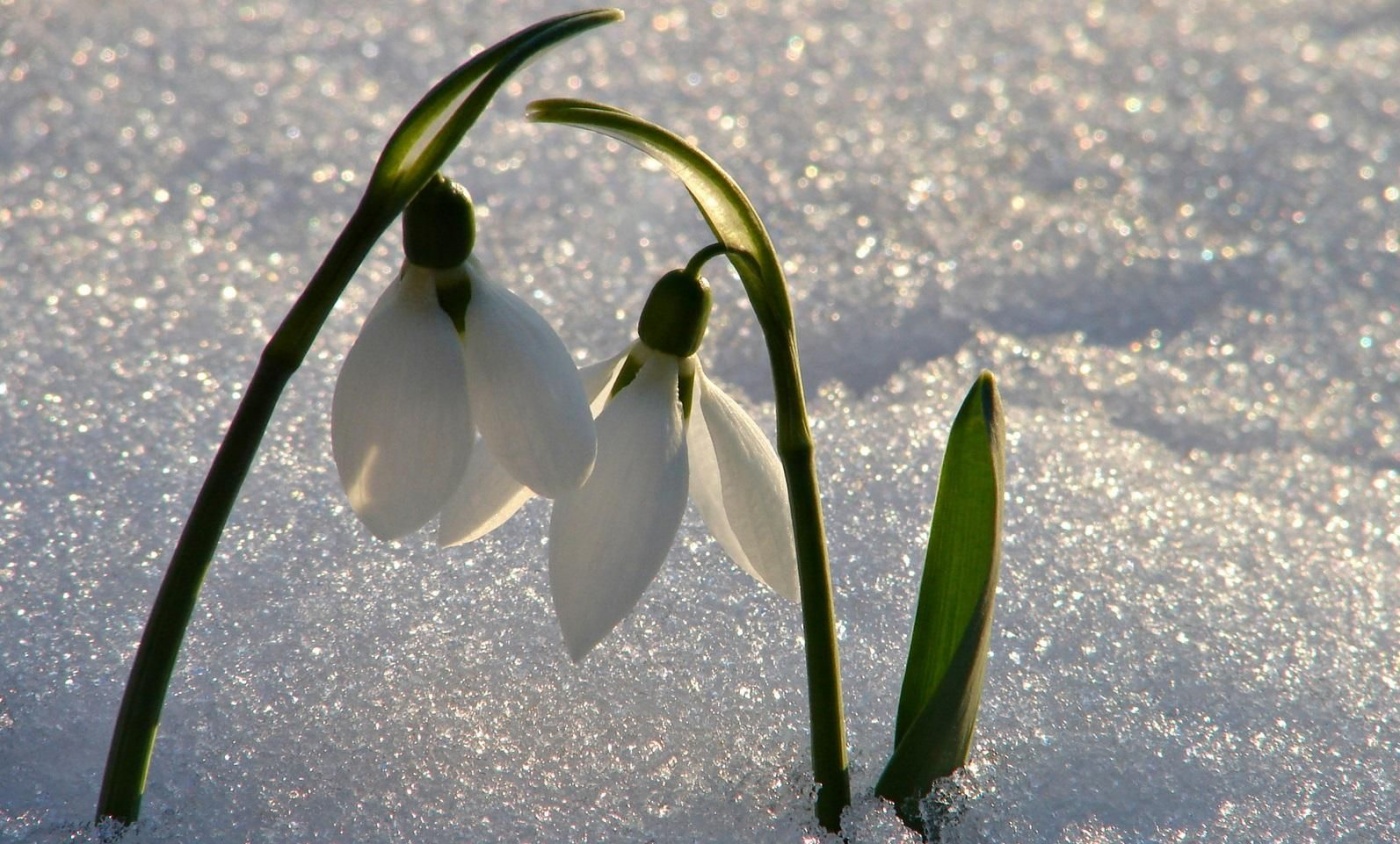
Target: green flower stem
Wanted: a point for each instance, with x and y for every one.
(134, 737)
(698, 261)
(736, 224)
(418, 148)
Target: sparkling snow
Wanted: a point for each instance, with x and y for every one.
(1171, 228)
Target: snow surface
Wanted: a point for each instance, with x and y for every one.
(1171, 228)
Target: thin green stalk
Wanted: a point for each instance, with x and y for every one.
(134, 736)
(423, 141)
(825, 708)
(736, 224)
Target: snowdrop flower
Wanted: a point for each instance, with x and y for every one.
(666, 433)
(446, 353)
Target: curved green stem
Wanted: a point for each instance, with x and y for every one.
(737, 226)
(698, 261)
(418, 148)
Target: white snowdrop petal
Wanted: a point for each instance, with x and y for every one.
(400, 421)
(708, 492)
(485, 499)
(738, 485)
(597, 379)
(530, 407)
(608, 539)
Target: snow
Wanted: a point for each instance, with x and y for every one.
(1170, 228)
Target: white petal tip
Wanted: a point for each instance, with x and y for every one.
(386, 531)
(578, 650)
(584, 624)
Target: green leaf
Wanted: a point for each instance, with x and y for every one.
(953, 622)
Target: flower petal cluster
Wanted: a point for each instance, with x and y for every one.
(415, 389)
(458, 401)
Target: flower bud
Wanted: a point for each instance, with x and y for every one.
(439, 226)
(676, 313)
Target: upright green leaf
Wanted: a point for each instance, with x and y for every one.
(953, 622)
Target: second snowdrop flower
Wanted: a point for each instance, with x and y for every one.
(447, 353)
(667, 433)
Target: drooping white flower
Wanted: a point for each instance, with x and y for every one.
(447, 352)
(666, 434)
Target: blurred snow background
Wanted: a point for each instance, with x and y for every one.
(1171, 228)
